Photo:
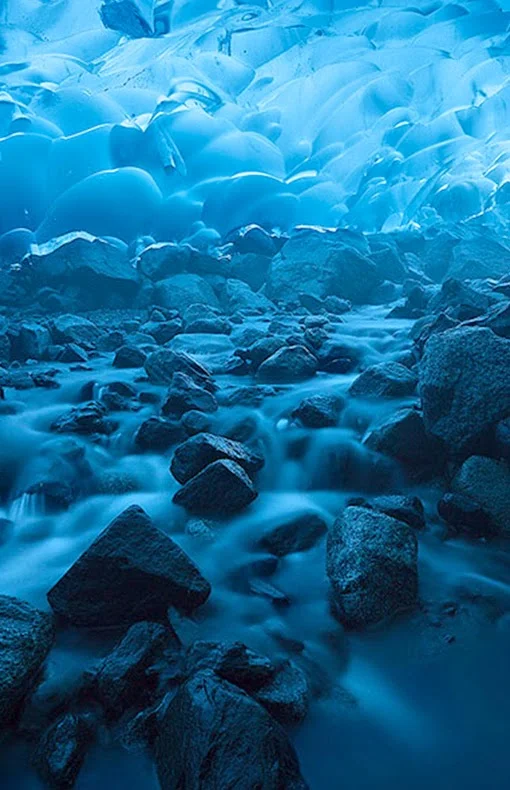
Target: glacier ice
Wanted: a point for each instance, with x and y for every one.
(131, 117)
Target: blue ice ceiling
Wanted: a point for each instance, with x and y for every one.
(369, 116)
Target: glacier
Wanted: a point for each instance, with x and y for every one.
(213, 115)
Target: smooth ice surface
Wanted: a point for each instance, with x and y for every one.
(278, 112)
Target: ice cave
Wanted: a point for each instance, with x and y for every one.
(254, 394)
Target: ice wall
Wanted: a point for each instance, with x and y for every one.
(279, 112)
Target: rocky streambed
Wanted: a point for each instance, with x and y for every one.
(255, 513)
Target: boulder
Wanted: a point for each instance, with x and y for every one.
(290, 363)
(464, 386)
(479, 258)
(26, 638)
(185, 395)
(372, 567)
(238, 296)
(131, 572)
(214, 735)
(34, 340)
(162, 364)
(129, 357)
(387, 379)
(297, 533)
(160, 261)
(222, 488)
(197, 452)
(403, 436)
(157, 434)
(232, 661)
(74, 329)
(62, 749)
(318, 411)
(182, 290)
(486, 482)
(408, 509)
(465, 515)
(132, 18)
(87, 419)
(286, 697)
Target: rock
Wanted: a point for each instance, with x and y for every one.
(96, 271)
(487, 482)
(252, 268)
(297, 533)
(133, 18)
(286, 697)
(466, 515)
(162, 331)
(196, 453)
(62, 749)
(129, 357)
(162, 364)
(322, 265)
(261, 350)
(88, 419)
(185, 395)
(318, 411)
(403, 436)
(194, 422)
(461, 300)
(237, 295)
(387, 379)
(214, 735)
(127, 677)
(372, 566)
(233, 662)
(337, 306)
(157, 435)
(496, 318)
(479, 258)
(72, 353)
(291, 363)
(159, 261)
(408, 509)
(132, 571)
(74, 329)
(183, 290)
(34, 340)
(26, 637)
(222, 488)
(464, 386)
(502, 439)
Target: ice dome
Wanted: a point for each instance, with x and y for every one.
(124, 117)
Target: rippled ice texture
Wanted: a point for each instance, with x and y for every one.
(280, 112)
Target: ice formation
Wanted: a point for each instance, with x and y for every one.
(130, 117)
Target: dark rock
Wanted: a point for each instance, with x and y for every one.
(131, 572)
(221, 488)
(261, 350)
(74, 329)
(403, 436)
(158, 261)
(464, 385)
(162, 331)
(194, 422)
(61, 750)
(72, 353)
(56, 494)
(502, 439)
(372, 567)
(318, 411)
(298, 533)
(291, 363)
(34, 340)
(127, 677)
(252, 268)
(197, 452)
(26, 637)
(157, 434)
(233, 662)
(88, 419)
(212, 734)
(466, 515)
(387, 379)
(286, 697)
(337, 306)
(408, 509)
(487, 482)
(162, 364)
(133, 18)
(129, 357)
(185, 395)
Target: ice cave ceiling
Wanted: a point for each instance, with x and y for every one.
(328, 112)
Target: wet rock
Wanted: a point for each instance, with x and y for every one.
(70, 328)
(408, 509)
(88, 419)
(127, 677)
(486, 481)
(132, 571)
(291, 363)
(222, 488)
(337, 306)
(129, 357)
(212, 734)
(183, 290)
(286, 697)
(318, 411)
(194, 422)
(232, 661)
(465, 515)
(196, 453)
(162, 331)
(71, 352)
(261, 350)
(372, 566)
(298, 533)
(464, 385)
(209, 326)
(157, 434)
(461, 300)
(185, 395)
(62, 749)
(403, 437)
(162, 364)
(497, 319)
(26, 637)
(387, 379)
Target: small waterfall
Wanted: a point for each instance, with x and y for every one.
(25, 507)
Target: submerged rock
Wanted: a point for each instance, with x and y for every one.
(214, 735)
(133, 18)
(222, 488)
(197, 452)
(132, 571)
(372, 567)
(298, 533)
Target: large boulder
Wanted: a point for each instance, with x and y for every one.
(182, 290)
(132, 571)
(222, 488)
(213, 735)
(26, 637)
(372, 566)
(70, 328)
(197, 452)
(464, 385)
(486, 482)
(321, 265)
(403, 436)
